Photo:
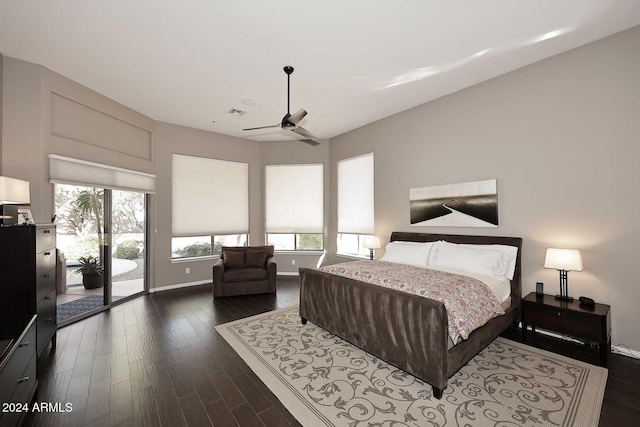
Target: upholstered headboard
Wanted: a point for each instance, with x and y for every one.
(516, 283)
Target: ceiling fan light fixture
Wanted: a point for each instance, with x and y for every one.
(290, 121)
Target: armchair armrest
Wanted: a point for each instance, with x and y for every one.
(218, 271)
(272, 272)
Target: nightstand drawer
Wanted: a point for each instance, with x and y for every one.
(564, 322)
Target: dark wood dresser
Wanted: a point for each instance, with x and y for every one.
(28, 278)
(28, 281)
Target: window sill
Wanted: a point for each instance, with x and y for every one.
(309, 253)
(192, 259)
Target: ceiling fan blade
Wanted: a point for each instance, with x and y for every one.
(264, 127)
(312, 140)
(297, 116)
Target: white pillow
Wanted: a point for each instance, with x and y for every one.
(470, 259)
(411, 253)
(511, 252)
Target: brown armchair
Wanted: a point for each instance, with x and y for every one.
(244, 270)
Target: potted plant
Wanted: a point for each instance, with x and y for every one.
(91, 270)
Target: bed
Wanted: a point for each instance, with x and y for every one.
(405, 330)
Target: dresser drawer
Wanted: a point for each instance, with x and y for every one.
(46, 320)
(23, 392)
(564, 322)
(45, 239)
(45, 261)
(45, 284)
(17, 364)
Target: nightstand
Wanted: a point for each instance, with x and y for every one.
(568, 318)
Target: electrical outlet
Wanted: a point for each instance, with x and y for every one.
(293, 262)
(187, 270)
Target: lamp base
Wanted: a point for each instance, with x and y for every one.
(564, 298)
(8, 215)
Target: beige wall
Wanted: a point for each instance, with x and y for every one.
(1, 84)
(562, 138)
(36, 125)
(293, 152)
(172, 139)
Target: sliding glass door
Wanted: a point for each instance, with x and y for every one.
(128, 224)
(101, 235)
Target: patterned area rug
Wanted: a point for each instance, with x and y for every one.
(325, 381)
(79, 306)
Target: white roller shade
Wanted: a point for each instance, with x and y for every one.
(355, 195)
(294, 198)
(210, 197)
(65, 170)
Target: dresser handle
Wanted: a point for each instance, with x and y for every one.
(46, 276)
(23, 344)
(558, 313)
(46, 231)
(47, 253)
(49, 319)
(47, 297)
(23, 380)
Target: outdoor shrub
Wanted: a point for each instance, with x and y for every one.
(129, 249)
(195, 249)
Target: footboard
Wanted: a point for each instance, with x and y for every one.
(405, 330)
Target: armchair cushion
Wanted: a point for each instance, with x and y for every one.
(233, 259)
(248, 274)
(256, 257)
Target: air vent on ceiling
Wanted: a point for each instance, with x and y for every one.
(236, 112)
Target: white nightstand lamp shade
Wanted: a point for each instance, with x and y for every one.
(13, 192)
(564, 260)
(371, 243)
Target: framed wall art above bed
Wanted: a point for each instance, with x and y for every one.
(470, 204)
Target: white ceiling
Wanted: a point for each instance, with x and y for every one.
(189, 62)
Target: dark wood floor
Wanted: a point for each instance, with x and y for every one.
(158, 361)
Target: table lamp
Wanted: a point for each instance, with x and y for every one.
(371, 243)
(12, 192)
(564, 260)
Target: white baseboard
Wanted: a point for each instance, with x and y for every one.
(625, 351)
(614, 348)
(288, 273)
(179, 285)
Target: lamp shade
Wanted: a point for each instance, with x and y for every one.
(371, 242)
(563, 259)
(14, 191)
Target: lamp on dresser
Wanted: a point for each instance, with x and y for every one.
(13, 193)
(371, 243)
(564, 260)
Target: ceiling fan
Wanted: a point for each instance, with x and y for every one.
(290, 121)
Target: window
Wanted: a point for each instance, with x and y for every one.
(198, 246)
(296, 242)
(355, 204)
(352, 244)
(294, 207)
(210, 205)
